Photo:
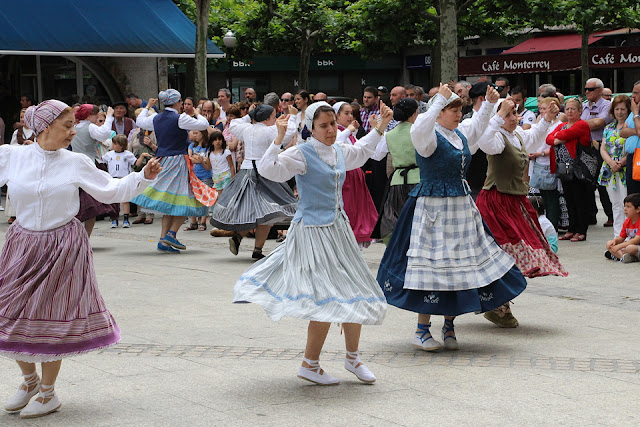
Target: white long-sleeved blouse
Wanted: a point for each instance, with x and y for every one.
(99, 133)
(381, 149)
(185, 121)
(492, 141)
(257, 137)
(43, 185)
(423, 130)
(281, 166)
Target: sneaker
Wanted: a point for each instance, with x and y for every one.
(114, 223)
(1, 208)
(166, 249)
(612, 257)
(125, 224)
(502, 317)
(627, 258)
(172, 241)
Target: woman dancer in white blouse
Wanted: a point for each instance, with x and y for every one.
(251, 201)
(50, 305)
(318, 273)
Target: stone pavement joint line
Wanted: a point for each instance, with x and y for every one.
(389, 358)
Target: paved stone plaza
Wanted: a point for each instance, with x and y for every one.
(190, 357)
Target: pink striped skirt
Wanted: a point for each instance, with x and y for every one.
(50, 306)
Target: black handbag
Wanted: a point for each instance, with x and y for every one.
(586, 163)
(564, 163)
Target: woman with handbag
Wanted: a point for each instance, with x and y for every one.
(565, 141)
(540, 168)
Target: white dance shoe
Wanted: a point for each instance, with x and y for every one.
(362, 372)
(423, 340)
(312, 373)
(22, 397)
(37, 409)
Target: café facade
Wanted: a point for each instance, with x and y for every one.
(614, 57)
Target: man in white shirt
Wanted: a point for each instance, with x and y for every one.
(519, 96)
(224, 100)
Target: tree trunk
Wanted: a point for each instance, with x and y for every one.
(305, 60)
(448, 41)
(202, 25)
(584, 56)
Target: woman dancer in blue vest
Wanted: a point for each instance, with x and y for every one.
(171, 193)
(441, 258)
(318, 273)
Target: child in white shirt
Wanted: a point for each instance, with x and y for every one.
(119, 161)
(222, 169)
(547, 228)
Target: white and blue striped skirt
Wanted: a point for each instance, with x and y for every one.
(318, 274)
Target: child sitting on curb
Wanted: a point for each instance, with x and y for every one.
(625, 246)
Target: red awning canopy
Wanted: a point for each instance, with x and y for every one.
(549, 43)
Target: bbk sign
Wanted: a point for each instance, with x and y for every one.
(326, 63)
(240, 64)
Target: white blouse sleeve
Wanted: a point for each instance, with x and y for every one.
(381, 149)
(105, 189)
(357, 154)
(239, 126)
(535, 134)
(101, 133)
(5, 161)
(423, 134)
(343, 136)
(491, 141)
(474, 127)
(281, 166)
(187, 122)
(292, 130)
(144, 120)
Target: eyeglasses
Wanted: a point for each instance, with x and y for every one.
(499, 88)
(244, 108)
(589, 89)
(286, 99)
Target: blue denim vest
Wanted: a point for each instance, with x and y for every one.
(320, 188)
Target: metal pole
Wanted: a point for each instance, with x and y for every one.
(230, 53)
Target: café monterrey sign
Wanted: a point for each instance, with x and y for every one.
(544, 62)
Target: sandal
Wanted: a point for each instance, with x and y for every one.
(10, 221)
(567, 236)
(202, 226)
(579, 237)
(149, 220)
(192, 226)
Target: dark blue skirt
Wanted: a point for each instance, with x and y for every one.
(393, 267)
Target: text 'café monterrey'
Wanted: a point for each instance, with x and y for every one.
(617, 63)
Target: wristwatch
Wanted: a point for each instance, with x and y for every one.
(636, 116)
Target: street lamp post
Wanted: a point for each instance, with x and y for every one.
(230, 43)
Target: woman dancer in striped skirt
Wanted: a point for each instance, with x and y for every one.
(318, 272)
(50, 306)
(177, 192)
(252, 201)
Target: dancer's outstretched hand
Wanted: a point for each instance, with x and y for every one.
(152, 169)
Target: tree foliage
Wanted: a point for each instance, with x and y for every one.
(376, 28)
